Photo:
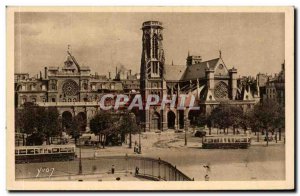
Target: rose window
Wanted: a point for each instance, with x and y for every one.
(70, 88)
(221, 90)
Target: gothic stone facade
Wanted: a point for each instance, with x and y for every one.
(211, 82)
(75, 91)
(72, 89)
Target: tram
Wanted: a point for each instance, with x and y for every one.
(48, 153)
(234, 141)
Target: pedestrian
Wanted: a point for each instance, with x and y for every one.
(206, 177)
(137, 170)
(95, 154)
(112, 169)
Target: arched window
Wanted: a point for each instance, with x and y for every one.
(154, 46)
(85, 86)
(155, 68)
(53, 86)
(147, 45)
(24, 100)
(221, 90)
(69, 100)
(74, 100)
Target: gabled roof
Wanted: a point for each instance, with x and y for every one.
(198, 70)
(174, 72)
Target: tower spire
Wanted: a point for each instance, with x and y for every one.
(220, 54)
(69, 48)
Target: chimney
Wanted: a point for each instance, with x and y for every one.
(130, 72)
(108, 75)
(282, 67)
(41, 75)
(46, 73)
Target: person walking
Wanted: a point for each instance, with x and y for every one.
(112, 169)
(137, 170)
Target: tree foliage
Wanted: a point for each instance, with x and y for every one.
(225, 116)
(106, 124)
(267, 116)
(41, 121)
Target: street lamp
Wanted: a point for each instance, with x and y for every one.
(140, 145)
(185, 130)
(80, 163)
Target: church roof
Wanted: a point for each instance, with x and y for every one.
(198, 70)
(174, 72)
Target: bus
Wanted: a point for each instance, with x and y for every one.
(47, 153)
(233, 141)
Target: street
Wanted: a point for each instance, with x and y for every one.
(259, 162)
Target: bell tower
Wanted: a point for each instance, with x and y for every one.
(152, 70)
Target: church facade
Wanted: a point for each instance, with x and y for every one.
(211, 82)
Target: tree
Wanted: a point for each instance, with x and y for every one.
(128, 125)
(225, 116)
(265, 116)
(235, 117)
(51, 124)
(245, 121)
(40, 121)
(280, 122)
(75, 127)
(103, 124)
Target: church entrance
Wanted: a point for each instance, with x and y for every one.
(155, 122)
(171, 120)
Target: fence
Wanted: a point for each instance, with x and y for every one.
(149, 168)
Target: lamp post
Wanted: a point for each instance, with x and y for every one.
(140, 145)
(80, 163)
(185, 130)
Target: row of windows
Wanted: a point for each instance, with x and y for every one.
(32, 87)
(271, 90)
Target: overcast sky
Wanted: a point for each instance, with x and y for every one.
(251, 43)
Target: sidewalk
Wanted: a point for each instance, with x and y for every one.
(118, 176)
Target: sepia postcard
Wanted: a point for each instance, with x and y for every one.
(150, 98)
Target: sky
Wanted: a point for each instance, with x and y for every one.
(251, 42)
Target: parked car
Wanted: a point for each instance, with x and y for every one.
(200, 133)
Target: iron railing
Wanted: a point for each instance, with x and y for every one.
(138, 166)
